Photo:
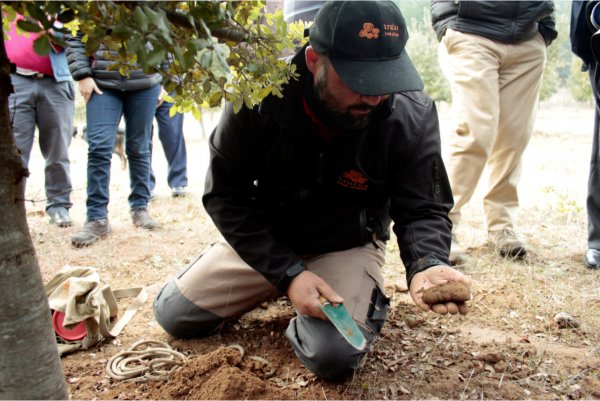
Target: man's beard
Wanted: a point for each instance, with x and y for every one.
(330, 110)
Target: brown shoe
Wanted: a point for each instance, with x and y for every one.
(507, 243)
(142, 219)
(91, 232)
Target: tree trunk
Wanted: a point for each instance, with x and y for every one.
(30, 366)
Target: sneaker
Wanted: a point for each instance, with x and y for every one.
(458, 256)
(507, 243)
(142, 219)
(59, 216)
(91, 232)
(178, 192)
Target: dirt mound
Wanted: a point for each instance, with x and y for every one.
(223, 374)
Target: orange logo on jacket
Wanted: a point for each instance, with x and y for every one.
(369, 31)
(353, 179)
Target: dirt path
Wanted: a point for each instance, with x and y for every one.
(508, 347)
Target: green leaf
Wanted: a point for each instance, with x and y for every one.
(42, 46)
(28, 26)
(156, 56)
(35, 11)
(66, 16)
(140, 19)
(197, 113)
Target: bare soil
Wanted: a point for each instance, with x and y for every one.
(509, 346)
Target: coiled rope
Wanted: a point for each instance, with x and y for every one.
(153, 363)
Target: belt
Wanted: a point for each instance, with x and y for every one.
(35, 75)
(26, 72)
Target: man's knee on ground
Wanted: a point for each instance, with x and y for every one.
(323, 349)
(181, 318)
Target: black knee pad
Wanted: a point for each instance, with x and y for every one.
(180, 317)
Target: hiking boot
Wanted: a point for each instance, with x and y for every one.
(59, 216)
(91, 232)
(507, 243)
(178, 192)
(458, 256)
(142, 219)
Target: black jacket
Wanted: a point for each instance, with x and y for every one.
(83, 66)
(502, 21)
(580, 32)
(275, 190)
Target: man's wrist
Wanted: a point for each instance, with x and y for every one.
(290, 274)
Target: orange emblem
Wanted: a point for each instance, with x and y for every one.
(369, 31)
(353, 179)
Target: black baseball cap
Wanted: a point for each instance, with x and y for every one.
(365, 41)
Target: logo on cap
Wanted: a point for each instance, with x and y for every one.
(369, 31)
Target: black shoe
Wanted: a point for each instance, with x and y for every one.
(592, 259)
(178, 192)
(142, 219)
(91, 232)
(59, 216)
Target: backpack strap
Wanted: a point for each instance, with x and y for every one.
(111, 299)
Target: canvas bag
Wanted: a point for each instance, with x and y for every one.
(79, 293)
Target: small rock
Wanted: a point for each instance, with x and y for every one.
(500, 366)
(566, 321)
(491, 357)
(414, 321)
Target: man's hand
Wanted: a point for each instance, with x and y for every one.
(304, 293)
(433, 276)
(87, 86)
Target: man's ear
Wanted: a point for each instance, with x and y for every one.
(311, 57)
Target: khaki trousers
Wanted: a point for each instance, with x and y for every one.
(495, 90)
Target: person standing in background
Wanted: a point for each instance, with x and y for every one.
(109, 96)
(493, 53)
(43, 97)
(581, 33)
(170, 133)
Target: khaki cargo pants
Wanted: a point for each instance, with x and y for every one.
(220, 285)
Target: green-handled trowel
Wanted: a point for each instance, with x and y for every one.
(343, 322)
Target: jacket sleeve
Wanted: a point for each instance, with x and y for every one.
(547, 27)
(580, 32)
(79, 63)
(230, 198)
(421, 197)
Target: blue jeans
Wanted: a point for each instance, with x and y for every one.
(170, 133)
(103, 115)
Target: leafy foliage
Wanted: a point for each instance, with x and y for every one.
(422, 48)
(207, 51)
(579, 84)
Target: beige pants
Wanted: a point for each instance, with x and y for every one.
(495, 90)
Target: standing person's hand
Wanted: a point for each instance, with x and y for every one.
(161, 96)
(304, 293)
(87, 86)
(433, 276)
